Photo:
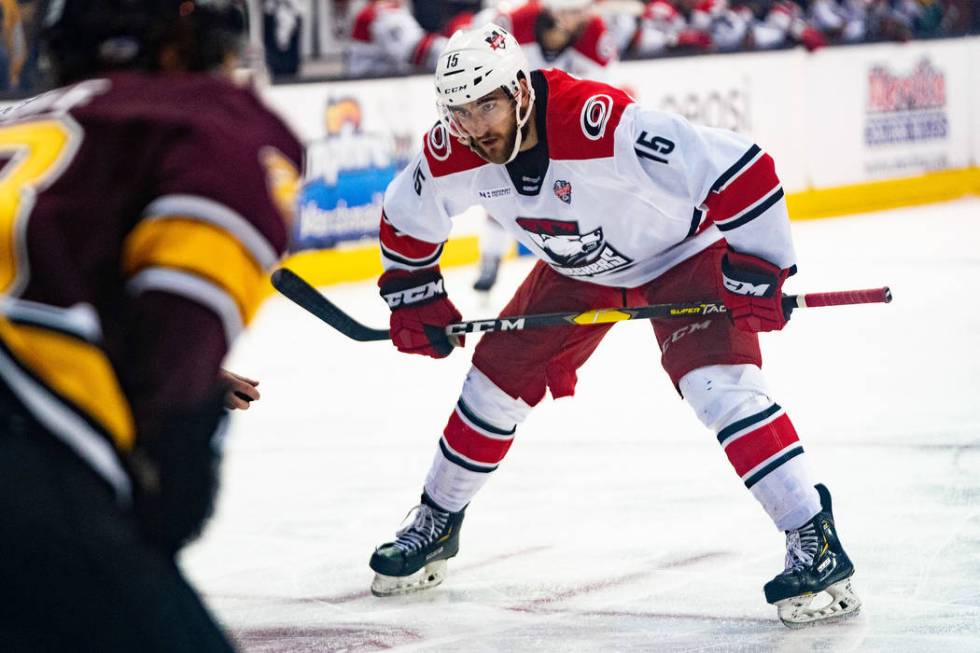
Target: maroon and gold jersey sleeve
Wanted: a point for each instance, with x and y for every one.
(216, 223)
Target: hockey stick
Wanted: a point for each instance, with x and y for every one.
(299, 291)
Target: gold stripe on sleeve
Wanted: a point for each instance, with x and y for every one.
(198, 248)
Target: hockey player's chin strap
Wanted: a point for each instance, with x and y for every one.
(521, 121)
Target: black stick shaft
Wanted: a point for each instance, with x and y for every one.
(302, 293)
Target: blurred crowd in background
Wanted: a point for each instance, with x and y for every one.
(318, 39)
(383, 37)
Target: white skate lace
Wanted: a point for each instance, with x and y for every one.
(424, 529)
(802, 545)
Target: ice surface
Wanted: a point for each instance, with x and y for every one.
(616, 522)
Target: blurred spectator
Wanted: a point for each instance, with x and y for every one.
(281, 27)
(782, 23)
(726, 28)
(622, 18)
(386, 39)
(563, 34)
(839, 21)
(436, 15)
(931, 17)
(662, 27)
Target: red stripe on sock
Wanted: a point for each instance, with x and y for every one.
(468, 442)
(751, 449)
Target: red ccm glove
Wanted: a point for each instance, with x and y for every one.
(420, 311)
(752, 289)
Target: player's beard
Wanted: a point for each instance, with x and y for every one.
(502, 147)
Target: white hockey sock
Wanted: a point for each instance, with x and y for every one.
(476, 439)
(452, 486)
(788, 495)
(757, 437)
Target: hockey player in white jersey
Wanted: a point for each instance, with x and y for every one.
(624, 206)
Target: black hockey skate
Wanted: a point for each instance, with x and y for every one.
(816, 566)
(416, 560)
(489, 266)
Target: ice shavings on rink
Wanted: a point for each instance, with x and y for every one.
(616, 523)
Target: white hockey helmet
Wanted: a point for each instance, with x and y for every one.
(476, 62)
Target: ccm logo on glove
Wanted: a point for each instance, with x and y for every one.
(752, 289)
(746, 288)
(420, 311)
(415, 295)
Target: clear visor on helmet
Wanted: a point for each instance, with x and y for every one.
(464, 120)
(473, 117)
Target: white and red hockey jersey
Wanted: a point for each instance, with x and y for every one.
(613, 193)
(386, 39)
(588, 56)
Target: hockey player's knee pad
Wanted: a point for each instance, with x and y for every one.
(491, 404)
(722, 394)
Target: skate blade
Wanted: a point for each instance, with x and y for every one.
(426, 578)
(799, 611)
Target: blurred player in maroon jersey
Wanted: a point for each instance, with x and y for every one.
(142, 202)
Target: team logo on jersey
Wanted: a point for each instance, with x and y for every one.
(282, 180)
(577, 254)
(595, 115)
(496, 41)
(438, 142)
(563, 191)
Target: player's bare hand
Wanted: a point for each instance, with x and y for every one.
(241, 392)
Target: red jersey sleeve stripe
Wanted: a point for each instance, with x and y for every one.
(753, 211)
(404, 249)
(742, 191)
(736, 169)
